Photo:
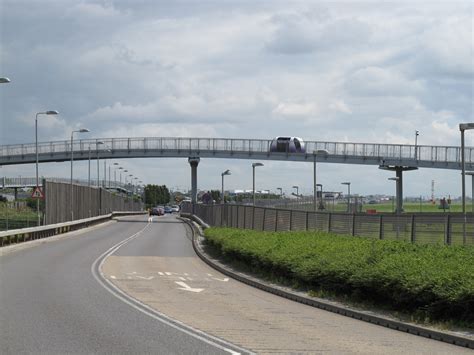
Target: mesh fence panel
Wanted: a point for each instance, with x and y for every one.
(248, 217)
(217, 216)
(258, 218)
(269, 223)
(367, 226)
(396, 227)
(283, 221)
(341, 223)
(298, 221)
(430, 229)
(457, 230)
(241, 218)
(233, 212)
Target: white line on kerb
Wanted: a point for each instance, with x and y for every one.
(96, 269)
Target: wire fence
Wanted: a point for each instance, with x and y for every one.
(425, 228)
(7, 223)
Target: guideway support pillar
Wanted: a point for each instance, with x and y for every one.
(399, 183)
(193, 161)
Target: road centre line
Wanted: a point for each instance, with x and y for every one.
(96, 270)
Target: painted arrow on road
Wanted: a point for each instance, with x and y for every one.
(186, 287)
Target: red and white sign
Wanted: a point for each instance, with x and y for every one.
(37, 193)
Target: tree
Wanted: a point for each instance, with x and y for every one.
(156, 195)
(216, 195)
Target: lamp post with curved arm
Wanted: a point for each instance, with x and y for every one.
(281, 192)
(315, 192)
(348, 194)
(52, 112)
(82, 130)
(254, 165)
(297, 194)
(227, 172)
(463, 127)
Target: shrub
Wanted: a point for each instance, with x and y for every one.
(435, 281)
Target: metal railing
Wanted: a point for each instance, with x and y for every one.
(415, 228)
(28, 234)
(421, 155)
(9, 182)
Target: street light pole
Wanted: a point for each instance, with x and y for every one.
(253, 179)
(53, 112)
(281, 192)
(227, 172)
(98, 163)
(315, 192)
(417, 133)
(348, 195)
(82, 130)
(297, 193)
(321, 205)
(462, 128)
(471, 173)
(115, 174)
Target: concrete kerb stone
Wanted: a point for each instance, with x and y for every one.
(198, 239)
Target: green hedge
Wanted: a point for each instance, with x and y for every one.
(434, 281)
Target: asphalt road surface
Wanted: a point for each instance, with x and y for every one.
(133, 287)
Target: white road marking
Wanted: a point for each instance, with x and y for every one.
(145, 277)
(186, 287)
(96, 270)
(182, 278)
(225, 279)
(160, 273)
(112, 277)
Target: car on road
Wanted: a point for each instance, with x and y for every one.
(175, 208)
(168, 209)
(157, 211)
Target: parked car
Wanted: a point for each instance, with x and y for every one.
(157, 211)
(175, 208)
(287, 145)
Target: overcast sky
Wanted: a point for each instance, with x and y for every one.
(326, 71)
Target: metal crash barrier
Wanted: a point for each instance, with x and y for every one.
(27, 234)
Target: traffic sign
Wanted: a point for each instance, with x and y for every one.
(37, 193)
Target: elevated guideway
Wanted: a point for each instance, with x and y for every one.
(410, 156)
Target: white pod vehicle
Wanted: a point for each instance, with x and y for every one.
(287, 145)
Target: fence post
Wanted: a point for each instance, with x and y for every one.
(245, 214)
(353, 224)
(291, 220)
(264, 215)
(381, 227)
(448, 230)
(329, 222)
(276, 220)
(307, 220)
(253, 217)
(413, 229)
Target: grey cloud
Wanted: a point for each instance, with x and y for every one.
(299, 33)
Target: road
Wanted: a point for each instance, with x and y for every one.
(133, 287)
